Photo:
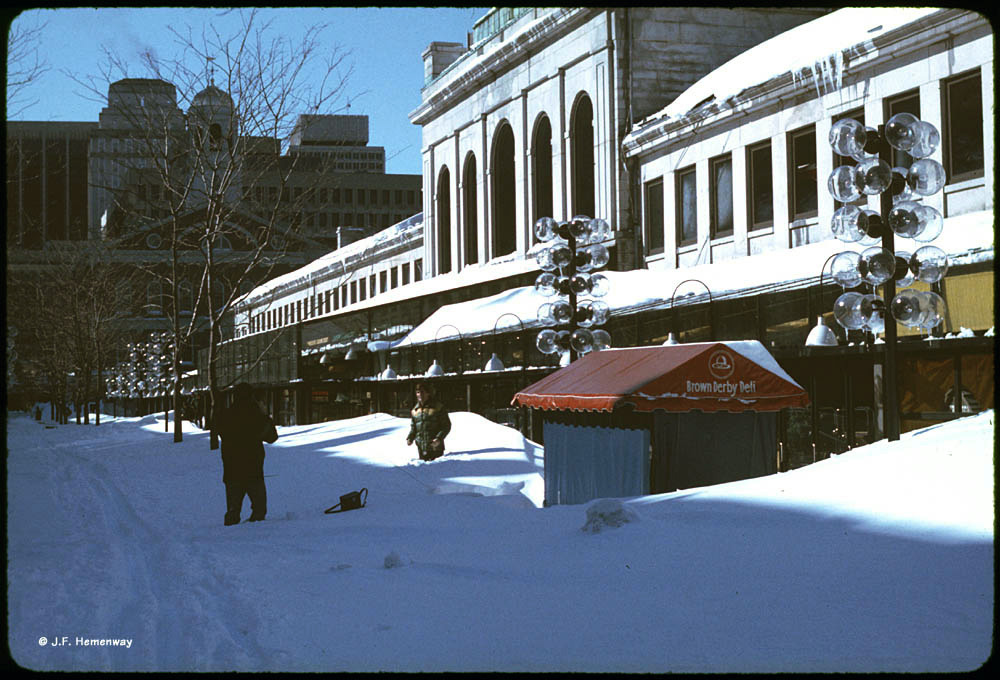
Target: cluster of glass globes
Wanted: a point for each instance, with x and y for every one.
(147, 371)
(569, 265)
(908, 218)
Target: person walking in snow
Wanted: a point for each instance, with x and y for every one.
(243, 427)
(429, 423)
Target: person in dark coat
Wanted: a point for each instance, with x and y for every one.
(429, 424)
(243, 427)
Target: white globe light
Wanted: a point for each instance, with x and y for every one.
(599, 255)
(545, 316)
(928, 140)
(847, 224)
(581, 340)
(847, 137)
(546, 342)
(843, 185)
(872, 176)
(561, 255)
(934, 310)
(599, 285)
(601, 338)
(901, 131)
(545, 284)
(600, 230)
(545, 229)
(845, 269)
(878, 265)
(931, 221)
(903, 219)
(926, 177)
(579, 227)
(562, 312)
(845, 312)
(905, 308)
(929, 263)
(871, 309)
(543, 258)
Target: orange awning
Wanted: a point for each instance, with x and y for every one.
(707, 376)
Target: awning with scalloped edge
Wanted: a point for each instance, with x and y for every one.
(707, 376)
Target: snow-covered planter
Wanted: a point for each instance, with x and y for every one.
(607, 513)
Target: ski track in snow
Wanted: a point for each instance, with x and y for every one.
(180, 610)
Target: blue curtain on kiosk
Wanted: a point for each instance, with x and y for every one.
(583, 463)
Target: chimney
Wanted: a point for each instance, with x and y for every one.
(438, 56)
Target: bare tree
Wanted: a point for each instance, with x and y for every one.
(68, 311)
(215, 188)
(24, 65)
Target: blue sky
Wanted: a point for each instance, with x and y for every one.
(385, 45)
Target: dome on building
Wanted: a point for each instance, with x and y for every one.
(212, 98)
(213, 113)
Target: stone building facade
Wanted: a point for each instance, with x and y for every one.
(528, 121)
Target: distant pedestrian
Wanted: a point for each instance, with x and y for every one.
(429, 423)
(243, 427)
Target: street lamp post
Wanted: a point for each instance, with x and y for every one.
(673, 339)
(575, 250)
(900, 191)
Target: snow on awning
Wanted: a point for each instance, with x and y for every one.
(731, 376)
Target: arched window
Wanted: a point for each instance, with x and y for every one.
(444, 221)
(470, 210)
(504, 192)
(154, 298)
(541, 169)
(185, 293)
(582, 148)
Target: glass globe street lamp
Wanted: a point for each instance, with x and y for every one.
(575, 252)
(900, 213)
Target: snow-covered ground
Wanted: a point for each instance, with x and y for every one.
(880, 559)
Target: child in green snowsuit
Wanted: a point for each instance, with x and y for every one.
(429, 424)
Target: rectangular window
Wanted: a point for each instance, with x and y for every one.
(405, 272)
(963, 127)
(654, 216)
(418, 269)
(394, 277)
(721, 190)
(383, 281)
(687, 207)
(908, 102)
(348, 196)
(802, 173)
(760, 186)
(354, 292)
(371, 285)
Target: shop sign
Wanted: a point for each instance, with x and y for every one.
(722, 367)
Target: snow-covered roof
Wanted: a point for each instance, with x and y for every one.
(332, 260)
(816, 47)
(966, 238)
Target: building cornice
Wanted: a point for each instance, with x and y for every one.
(487, 62)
